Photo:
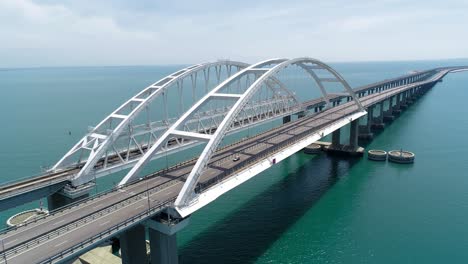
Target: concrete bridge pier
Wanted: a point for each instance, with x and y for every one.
(409, 97)
(133, 245)
(396, 111)
(352, 148)
(365, 130)
(388, 114)
(68, 195)
(378, 121)
(58, 200)
(163, 239)
(336, 137)
(403, 104)
(353, 134)
(419, 92)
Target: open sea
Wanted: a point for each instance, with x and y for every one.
(308, 208)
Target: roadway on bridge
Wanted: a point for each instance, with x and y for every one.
(63, 230)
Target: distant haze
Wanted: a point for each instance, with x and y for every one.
(147, 32)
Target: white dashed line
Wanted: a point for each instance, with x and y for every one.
(59, 244)
(104, 223)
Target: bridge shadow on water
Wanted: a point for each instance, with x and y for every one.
(245, 234)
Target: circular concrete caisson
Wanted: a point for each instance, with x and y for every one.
(20, 218)
(400, 156)
(313, 149)
(376, 154)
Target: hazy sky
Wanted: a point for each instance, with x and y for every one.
(122, 32)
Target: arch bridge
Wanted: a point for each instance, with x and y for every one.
(150, 126)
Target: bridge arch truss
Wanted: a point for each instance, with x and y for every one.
(264, 72)
(96, 145)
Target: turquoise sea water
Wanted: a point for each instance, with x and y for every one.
(308, 209)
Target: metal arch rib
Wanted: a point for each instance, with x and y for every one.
(342, 81)
(99, 148)
(319, 83)
(224, 125)
(214, 142)
(165, 137)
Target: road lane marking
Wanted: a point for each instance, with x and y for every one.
(61, 235)
(11, 241)
(59, 244)
(58, 222)
(104, 223)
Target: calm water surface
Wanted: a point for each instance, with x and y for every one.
(308, 209)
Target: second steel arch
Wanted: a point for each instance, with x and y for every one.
(214, 140)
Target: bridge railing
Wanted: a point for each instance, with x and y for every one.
(94, 197)
(108, 233)
(11, 183)
(87, 218)
(100, 236)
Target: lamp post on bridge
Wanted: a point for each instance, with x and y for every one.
(4, 253)
(147, 194)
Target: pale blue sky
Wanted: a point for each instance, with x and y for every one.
(118, 32)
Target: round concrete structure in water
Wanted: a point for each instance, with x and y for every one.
(401, 156)
(313, 149)
(377, 155)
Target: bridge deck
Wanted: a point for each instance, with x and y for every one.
(59, 233)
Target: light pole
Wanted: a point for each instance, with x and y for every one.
(147, 194)
(4, 253)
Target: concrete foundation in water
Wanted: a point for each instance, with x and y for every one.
(25, 216)
(377, 155)
(401, 156)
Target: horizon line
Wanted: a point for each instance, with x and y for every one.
(188, 64)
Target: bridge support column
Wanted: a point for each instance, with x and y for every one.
(388, 115)
(353, 133)
(403, 104)
(351, 149)
(409, 96)
(58, 200)
(68, 195)
(378, 121)
(396, 108)
(133, 245)
(336, 136)
(365, 130)
(163, 240)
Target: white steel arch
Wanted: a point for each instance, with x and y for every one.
(97, 142)
(241, 100)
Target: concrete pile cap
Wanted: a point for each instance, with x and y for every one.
(24, 216)
(313, 149)
(400, 153)
(400, 156)
(376, 154)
